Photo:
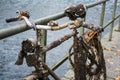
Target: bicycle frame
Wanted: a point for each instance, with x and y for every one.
(40, 67)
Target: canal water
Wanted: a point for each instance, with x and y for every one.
(10, 47)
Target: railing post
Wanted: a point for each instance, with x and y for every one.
(44, 41)
(102, 16)
(82, 28)
(42, 37)
(41, 41)
(39, 34)
(113, 16)
(119, 25)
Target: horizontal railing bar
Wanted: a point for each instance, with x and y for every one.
(51, 17)
(23, 27)
(13, 30)
(110, 21)
(61, 61)
(96, 3)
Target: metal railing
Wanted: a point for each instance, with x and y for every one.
(23, 27)
(4, 33)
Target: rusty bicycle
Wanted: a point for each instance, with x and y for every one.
(88, 60)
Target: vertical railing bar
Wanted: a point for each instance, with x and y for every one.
(119, 25)
(113, 16)
(40, 43)
(81, 28)
(44, 42)
(102, 16)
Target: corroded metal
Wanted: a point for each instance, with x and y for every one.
(23, 13)
(95, 64)
(79, 60)
(32, 60)
(56, 43)
(52, 23)
(20, 58)
(77, 11)
(40, 57)
(31, 52)
(29, 45)
(88, 35)
(89, 63)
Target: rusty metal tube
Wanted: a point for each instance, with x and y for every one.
(56, 43)
(45, 27)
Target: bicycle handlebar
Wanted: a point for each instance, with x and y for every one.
(72, 24)
(12, 19)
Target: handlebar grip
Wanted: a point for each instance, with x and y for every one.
(11, 19)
